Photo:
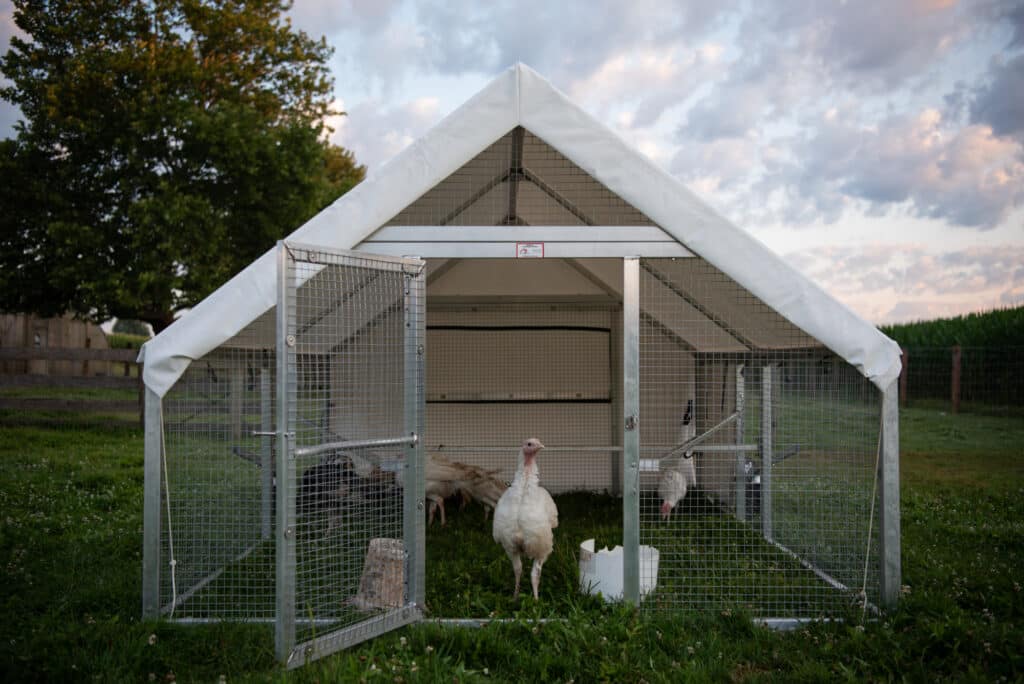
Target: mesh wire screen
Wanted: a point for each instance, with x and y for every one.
(520, 180)
(500, 373)
(775, 515)
(347, 381)
(217, 504)
(348, 318)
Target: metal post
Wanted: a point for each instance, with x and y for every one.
(413, 503)
(615, 392)
(151, 509)
(766, 452)
(741, 457)
(889, 506)
(284, 624)
(266, 453)
(631, 431)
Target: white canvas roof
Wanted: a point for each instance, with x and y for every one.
(521, 97)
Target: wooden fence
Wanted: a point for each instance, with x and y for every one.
(130, 378)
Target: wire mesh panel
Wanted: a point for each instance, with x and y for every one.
(352, 387)
(500, 373)
(284, 456)
(758, 453)
(520, 180)
(216, 498)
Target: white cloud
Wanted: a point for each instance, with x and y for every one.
(889, 283)
(376, 132)
(1000, 103)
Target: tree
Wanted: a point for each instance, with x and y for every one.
(128, 326)
(165, 145)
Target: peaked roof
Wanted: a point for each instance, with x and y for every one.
(521, 97)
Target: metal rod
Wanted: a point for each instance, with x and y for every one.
(512, 217)
(335, 641)
(631, 432)
(689, 444)
(890, 564)
(266, 453)
(483, 622)
(490, 449)
(151, 508)
(740, 472)
(710, 315)
(766, 452)
(351, 445)
(305, 622)
(284, 584)
(413, 493)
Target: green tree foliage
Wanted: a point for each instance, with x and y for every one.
(128, 326)
(165, 145)
(997, 328)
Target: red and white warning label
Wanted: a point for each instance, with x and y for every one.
(529, 250)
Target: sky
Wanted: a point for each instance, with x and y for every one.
(877, 145)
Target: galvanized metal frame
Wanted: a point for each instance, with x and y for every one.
(284, 623)
(287, 647)
(741, 458)
(767, 451)
(890, 569)
(151, 519)
(565, 242)
(631, 432)
(415, 396)
(266, 453)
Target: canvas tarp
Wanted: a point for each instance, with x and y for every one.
(520, 97)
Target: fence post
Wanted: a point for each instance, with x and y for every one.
(904, 360)
(956, 379)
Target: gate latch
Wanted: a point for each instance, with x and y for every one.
(631, 422)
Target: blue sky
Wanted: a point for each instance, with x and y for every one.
(876, 144)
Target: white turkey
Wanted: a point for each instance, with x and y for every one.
(679, 474)
(525, 517)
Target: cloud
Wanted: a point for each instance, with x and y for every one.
(326, 17)
(1000, 103)
(794, 54)
(965, 176)
(888, 283)
(640, 85)
(377, 132)
(568, 42)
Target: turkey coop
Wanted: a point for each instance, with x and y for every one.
(517, 296)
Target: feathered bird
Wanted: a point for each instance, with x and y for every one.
(679, 477)
(443, 479)
(323, 489)
(482, 486)
(525, 517)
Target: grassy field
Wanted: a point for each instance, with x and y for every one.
(70, 552)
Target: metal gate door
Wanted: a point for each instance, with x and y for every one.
(349, 537)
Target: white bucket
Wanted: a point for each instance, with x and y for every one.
(601, 572)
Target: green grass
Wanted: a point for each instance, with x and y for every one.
(70, 557)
